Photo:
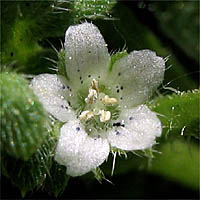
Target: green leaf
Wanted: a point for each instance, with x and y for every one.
(23, 119)
(26, 175)
(57, 180)
(179, 113)
(95, 9)
(30, 174)
(178, 161)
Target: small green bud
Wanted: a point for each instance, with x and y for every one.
(23, 119)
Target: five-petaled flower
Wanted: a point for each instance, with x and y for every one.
(101, 100)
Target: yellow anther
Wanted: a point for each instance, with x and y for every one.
(85, 115)
(109, 101)
(97, 99)
(104, 115)
(95, 85)
(92, 96)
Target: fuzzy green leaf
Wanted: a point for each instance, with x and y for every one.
(179, 113)
(30, 174)
(95, 9)
(57, 180)
(23, 119)
(27, 175)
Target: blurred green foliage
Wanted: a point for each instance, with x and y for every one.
(32, 33)
(182, 21)
(178, 161)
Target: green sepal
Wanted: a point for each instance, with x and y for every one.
(61, 64)
(116, 57)
(57, 180)
(98, 174)
(179, 113)
(23, 119)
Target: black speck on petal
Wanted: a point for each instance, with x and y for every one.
(130, 118)
(117, 132)
(78, 128)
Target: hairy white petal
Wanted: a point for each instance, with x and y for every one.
(87, 56)
(139, 129)
(79, 152)
(50, 91)
(136, 76)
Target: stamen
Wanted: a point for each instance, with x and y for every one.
(104, 115)
(107, 100)
(85, 115)
(98, 99)
(95, 85)
(92, 96)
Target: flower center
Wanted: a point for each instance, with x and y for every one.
(97, 104)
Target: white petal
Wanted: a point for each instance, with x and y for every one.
(141, 127)
(51, 92)
(87, 56)
(137, 76)
(79, 152)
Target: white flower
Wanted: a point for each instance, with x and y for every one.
(102, 103)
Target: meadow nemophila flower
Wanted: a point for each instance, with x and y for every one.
(101, 100)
